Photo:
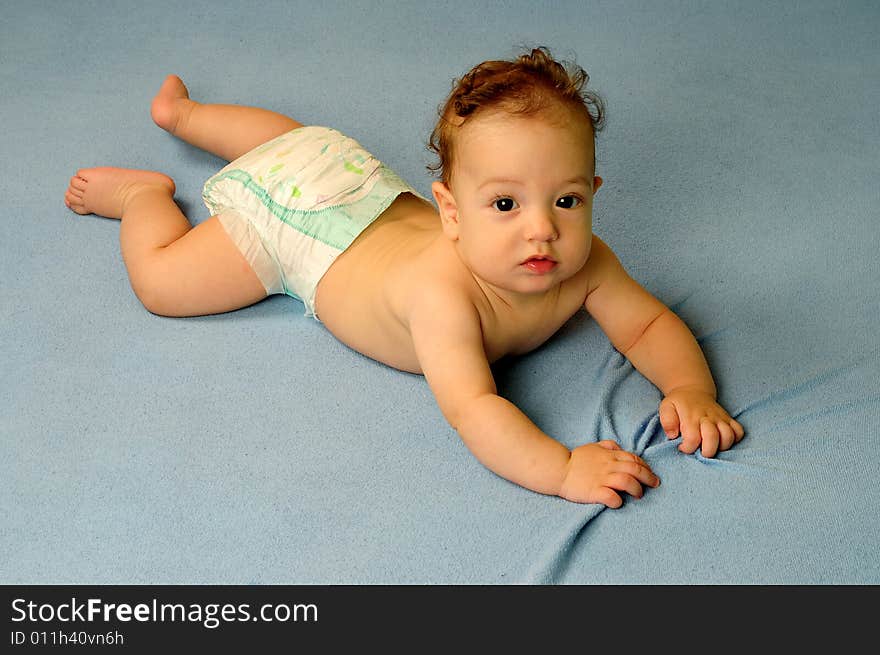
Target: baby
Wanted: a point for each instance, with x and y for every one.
(501, 262)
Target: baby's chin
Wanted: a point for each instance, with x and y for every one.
(529, 284)
(526, 283)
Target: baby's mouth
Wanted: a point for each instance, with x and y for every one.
(540, 264)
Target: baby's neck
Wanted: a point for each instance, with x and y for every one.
(507, 299)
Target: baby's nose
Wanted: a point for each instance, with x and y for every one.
(541, 228)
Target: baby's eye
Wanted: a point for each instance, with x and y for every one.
(568, 202)
(504, 204)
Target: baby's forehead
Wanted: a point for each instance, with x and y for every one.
(552, 113)
(555, 115)
(484, 136)
(492, 139)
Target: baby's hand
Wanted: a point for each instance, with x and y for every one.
(595, 470)
(700, 420)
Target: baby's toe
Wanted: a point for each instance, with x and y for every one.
(75, 202)
(78, 182)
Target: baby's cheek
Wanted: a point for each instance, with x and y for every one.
(581, 258)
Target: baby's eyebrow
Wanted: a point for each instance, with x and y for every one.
(499, 180)
(578, 179)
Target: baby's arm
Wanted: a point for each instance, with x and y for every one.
(661, 347)
(447, 335)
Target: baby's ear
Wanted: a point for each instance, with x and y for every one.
(448, 209)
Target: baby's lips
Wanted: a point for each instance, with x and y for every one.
(540, 258)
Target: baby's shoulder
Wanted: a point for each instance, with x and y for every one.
(602, 265)
(443, 292)
(442, 313)
(435, 279)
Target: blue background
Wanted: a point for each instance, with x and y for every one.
(740, 161)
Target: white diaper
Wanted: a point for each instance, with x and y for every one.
(292, 205)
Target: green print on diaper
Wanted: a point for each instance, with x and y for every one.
(275, 169)
(353, 169)
(337, 233)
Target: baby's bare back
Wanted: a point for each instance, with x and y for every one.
(358, 298)
(365, 296)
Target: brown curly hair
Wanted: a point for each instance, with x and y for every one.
(531, 83)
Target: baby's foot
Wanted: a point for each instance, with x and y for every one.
(104, 191)
(170, 104)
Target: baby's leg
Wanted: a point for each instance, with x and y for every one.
(174, 269)
(227, 131)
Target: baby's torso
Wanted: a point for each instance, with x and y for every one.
(357, 298)
(364, 296)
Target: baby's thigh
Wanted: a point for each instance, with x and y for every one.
(203, 272)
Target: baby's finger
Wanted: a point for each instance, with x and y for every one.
(737, 429)
(602, 495)
(626, 456)
(625, 482)
(608, 498)
(690, 437)
(728, 437)
(609, 444)
(639, 470)
(669, 419)
(710, 438)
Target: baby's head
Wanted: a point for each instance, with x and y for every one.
(533, 85)
(516, 143)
